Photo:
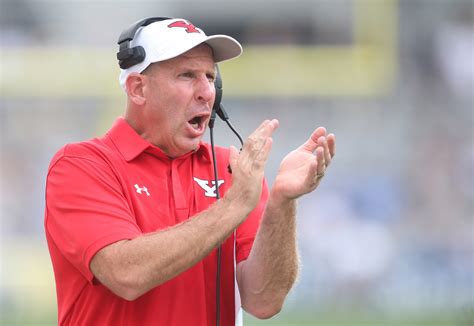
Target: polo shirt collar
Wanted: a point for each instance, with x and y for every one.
(130, 144)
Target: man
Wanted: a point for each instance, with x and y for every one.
(131, 218)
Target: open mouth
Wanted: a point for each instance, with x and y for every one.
(197, 122)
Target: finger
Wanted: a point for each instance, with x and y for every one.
(331, 139)
(311, 144)
(320, 159)
(257, 139)
(322, 141)
(317, 169)
(262, 156)
(254, 141)
(312, 177)
(262, 125)
(268, 127)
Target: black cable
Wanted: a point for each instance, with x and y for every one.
(219, 249)
(223, 115)
(235, 132)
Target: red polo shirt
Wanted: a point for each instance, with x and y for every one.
(118, 187)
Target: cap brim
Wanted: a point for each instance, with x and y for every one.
(224, 47)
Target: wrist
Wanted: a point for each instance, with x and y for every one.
(278, 198)
(236, 200)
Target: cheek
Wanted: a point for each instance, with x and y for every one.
(172, 119)
(169, 108)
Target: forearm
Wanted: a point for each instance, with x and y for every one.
(131, 268)
(270, 271)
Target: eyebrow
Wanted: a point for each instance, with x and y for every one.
(194, 69)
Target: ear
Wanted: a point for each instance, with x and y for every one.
(135, 85)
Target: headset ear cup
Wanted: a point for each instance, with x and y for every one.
(131, 57)
(139, 55)
(218, 87)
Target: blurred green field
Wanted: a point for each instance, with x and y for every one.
(304, 318)
(345, 318)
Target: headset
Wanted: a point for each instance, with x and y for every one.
(130, 56)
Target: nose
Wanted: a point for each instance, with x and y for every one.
(205, 90)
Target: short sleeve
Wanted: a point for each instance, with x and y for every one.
(246, 232)
(86, 210)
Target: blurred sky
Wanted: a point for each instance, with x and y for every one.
(389, 231)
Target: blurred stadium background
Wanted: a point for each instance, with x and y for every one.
(388, 239)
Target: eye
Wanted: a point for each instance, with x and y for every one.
(211, 77)
(187, 74)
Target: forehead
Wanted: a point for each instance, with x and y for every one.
(199, 55)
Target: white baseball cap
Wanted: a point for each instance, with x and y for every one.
(170, 38)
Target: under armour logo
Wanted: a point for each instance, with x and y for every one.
(140, 189)
(204, 184)
(190, 28)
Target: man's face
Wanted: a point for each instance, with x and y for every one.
(179, 97)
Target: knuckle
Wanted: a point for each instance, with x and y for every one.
(252, 139)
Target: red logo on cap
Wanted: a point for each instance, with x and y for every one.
(190, 28)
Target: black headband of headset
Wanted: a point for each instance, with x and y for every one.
(128, 56)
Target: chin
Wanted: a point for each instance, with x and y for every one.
(186, 149)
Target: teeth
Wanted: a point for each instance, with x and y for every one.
(195, 125)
